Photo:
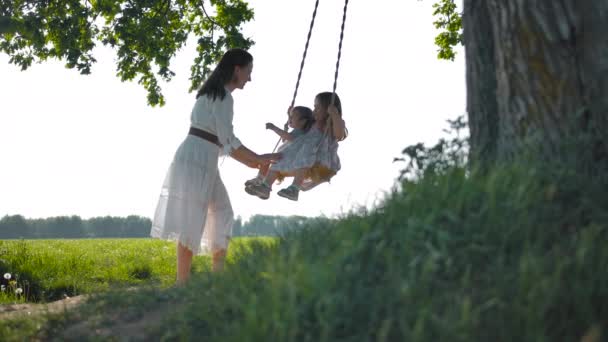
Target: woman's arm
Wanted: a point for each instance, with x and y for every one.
(223, 113)
(286, 136)
(245, 156)
(230, 143)
(252, 159)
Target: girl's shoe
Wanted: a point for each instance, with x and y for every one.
(255, 180)
(260, 189)
(291, 192)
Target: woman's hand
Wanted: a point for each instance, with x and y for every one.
(271, 126)
(251, 159)
(251, 163)
(265, 159)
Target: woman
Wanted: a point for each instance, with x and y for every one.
(194, 208)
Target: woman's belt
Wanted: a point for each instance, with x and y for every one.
(212, 138)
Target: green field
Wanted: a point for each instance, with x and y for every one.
(48, 270)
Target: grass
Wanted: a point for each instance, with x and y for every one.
(515, 254)
(48, 270)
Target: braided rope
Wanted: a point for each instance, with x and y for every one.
(295, 92)
(333, 95)
(329, 122)
(312, 23)
(339, 53)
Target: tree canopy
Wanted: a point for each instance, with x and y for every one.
(146, 34)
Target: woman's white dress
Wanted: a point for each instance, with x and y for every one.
(194, 207)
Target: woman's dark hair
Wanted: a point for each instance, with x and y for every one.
(325, 100)
(223, 73)
(305, 113)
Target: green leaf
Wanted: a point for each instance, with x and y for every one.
(146, 35)
(449, 22)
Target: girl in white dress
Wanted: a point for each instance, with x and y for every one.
(301, 121)
(194, 209)
(312, 158)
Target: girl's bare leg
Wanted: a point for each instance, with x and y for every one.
(218, 258)
(271, 177)
(298, 178)
(263, 171)
(184, 263)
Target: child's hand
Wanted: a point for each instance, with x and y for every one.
(289, 109)
(270, 126)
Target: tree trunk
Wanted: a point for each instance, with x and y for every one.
(539, 83)
(481, 80)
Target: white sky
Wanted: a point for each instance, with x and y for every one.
(90, 146)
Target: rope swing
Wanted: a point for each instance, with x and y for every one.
(312, 23)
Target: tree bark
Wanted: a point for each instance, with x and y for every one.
(550, 66)
(481, 80)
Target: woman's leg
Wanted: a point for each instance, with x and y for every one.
(218, 229)
(184, 263)
(218, 258)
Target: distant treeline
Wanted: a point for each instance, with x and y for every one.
(72, 227)
(265, 225)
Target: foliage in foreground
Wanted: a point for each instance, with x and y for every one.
(515, 254)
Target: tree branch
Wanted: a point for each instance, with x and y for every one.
(207, 15)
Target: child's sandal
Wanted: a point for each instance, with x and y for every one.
(260, 189)
(291, 192)
(252, 181)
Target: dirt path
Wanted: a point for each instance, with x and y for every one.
(132, 328)
(29, 309)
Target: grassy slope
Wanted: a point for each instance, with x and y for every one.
(515, 255)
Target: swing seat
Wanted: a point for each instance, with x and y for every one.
(309, 184)
(317, 175)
